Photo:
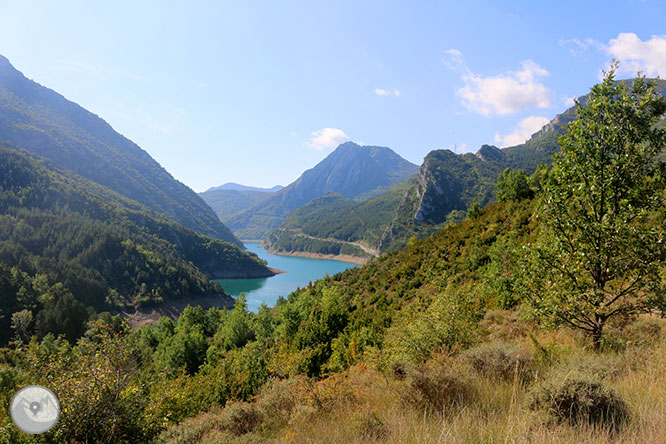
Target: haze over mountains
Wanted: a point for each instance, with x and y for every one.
(44, 122)
(231, 186)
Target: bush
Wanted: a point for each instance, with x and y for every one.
(501, 360)
(644, 331)
(579, 400)
(239, 418)
(434, 387)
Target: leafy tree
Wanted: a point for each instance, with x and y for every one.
(602, 250)
(21, 324)
(513, 185)
(474, 210)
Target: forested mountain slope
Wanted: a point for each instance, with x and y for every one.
(45, 123)
(108, 251)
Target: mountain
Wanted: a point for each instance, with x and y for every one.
(351, 170)
(231, 186)
(109, 252)
(229, 203)
(45, 123)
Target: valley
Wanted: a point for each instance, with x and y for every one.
(501, 294)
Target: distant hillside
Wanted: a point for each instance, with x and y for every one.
(353, 171)
(45, 123)
(231, 186)
(110, 252)
(228, 203)
(333, 224)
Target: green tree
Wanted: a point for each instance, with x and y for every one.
(21, 324)
(474, 210)
(513, 185)
(602, 248)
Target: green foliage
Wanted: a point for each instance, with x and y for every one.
(474, 210)
(448, 322)
(600, 254)
(229, 203)
(513, 185)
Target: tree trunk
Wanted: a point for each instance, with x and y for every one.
(596, 335)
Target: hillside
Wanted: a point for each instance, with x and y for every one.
(109, 252)
(334, 225)
(45, 123)
(227, 203)
(353, 171)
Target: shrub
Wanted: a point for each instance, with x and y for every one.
(434, 387)
(501, 360)
(644, 331)
(577, 399)
(239, 418)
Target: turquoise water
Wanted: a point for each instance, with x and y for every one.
(299, 272)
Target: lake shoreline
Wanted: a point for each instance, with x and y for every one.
(333, 257)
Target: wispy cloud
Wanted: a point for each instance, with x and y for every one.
(387, 92)
(523, 131)
(502, 94)
(327, 138)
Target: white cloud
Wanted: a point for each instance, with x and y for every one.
(648, 56)
(327, 138)
(569, 102)
(387, 92)
(506, 93)
(462, 148)
(523, 131)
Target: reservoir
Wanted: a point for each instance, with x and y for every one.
(299, 272)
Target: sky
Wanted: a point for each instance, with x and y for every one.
(256, 92)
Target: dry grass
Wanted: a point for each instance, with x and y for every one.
(365, 406)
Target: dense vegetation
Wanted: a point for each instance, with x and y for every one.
(69, 245)
(43, 122)
(331, 222)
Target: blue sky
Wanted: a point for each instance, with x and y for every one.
(256, 92)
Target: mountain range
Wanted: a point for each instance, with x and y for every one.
(355, 172)
(444, 187)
